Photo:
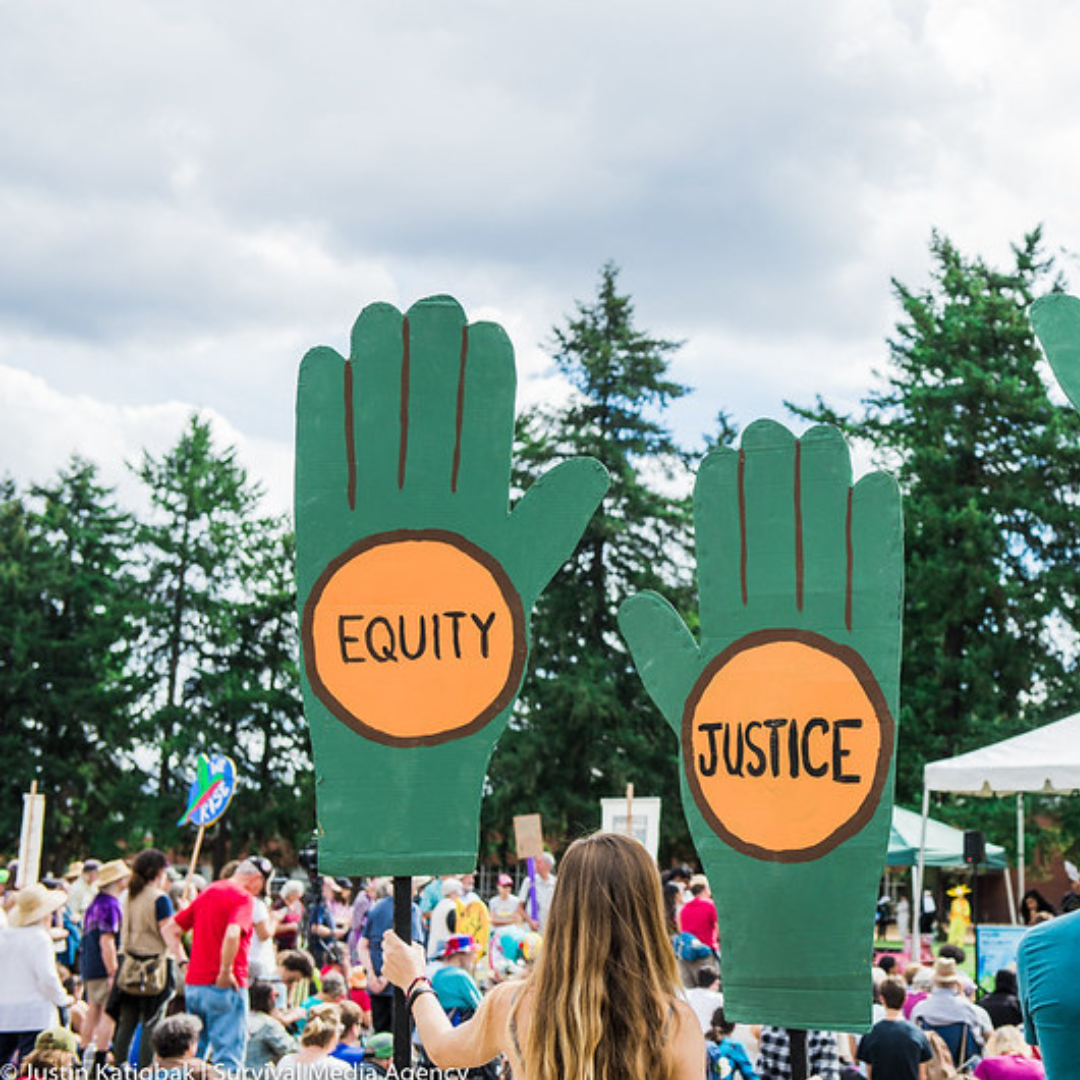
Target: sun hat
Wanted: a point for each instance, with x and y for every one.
(455, 944)
(34, 903)
(113, 871)
(946, 971)
(505, 879)
(699, 879)
(452, 886)
(57, 1038)
(380, 1045)
(73, 871)
(958, 890)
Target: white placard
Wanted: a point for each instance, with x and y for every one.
(644, 823)
(33, 828)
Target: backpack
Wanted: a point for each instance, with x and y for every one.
(941, 1066)
(689, 948)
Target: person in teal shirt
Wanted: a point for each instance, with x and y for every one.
(1050, 993)
(453, 983)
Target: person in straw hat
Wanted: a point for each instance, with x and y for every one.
(100, 957)
(30, 989)
(947, 1004)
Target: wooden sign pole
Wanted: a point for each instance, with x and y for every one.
(188, 881)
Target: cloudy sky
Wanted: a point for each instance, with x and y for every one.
(192, 194)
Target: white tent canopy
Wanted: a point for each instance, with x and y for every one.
(1045, 760)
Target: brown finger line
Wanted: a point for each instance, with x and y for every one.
(350, 437)
(403, 446)
(459, 421)
(850, 561)
(742, 523)
(798, 528)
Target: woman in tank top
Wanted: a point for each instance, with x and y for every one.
(147, 931)
(602, 1001)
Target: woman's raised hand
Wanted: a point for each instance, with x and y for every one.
(402, 963)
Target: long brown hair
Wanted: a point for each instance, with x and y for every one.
(604, 987)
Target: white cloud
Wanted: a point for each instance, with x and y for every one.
(191, 196)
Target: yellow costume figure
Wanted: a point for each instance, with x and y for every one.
(959, 915)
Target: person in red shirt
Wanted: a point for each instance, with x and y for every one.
(698, 915)
(215, 983)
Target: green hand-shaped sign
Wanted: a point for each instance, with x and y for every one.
(1056, 319)
(415, 580)
(785, 714)
(1044, 985)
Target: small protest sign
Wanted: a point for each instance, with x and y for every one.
(211, 791)
(528, 836)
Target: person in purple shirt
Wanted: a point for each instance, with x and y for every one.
(100, 959)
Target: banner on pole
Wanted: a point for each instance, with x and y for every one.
(30, 838)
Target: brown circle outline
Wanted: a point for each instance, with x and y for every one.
(861, 670)
(509, 594)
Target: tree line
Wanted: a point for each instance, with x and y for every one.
(129, 643)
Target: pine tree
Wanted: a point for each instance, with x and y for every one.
(990, 470)
(191, 550)
(67, 621)
(584, 726)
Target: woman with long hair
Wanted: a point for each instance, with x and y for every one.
(149, 945)
(601, 1002)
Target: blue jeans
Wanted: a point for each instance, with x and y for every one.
(224, 1017)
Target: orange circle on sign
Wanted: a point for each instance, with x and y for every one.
(787, 740)
(414, 637)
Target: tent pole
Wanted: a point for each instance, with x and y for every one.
(920, 877)
(1009, 894)
(1021, 868)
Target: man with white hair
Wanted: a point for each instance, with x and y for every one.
(215, 984)
(444, 917)
(947, 1004)
(542, 888)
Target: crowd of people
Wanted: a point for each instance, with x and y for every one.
(132, 965)
(254, 970)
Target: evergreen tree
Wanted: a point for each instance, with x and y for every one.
(990, 469)
(584, 727)
(251, 690)
(67, 620)
(192, 548)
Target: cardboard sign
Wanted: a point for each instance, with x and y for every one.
(785, 712)
(529, 836)
(211, 791)
(415, 578)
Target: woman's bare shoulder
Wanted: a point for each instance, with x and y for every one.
(687, 1043)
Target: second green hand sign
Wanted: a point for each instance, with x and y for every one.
(416, 580)
(785, 712)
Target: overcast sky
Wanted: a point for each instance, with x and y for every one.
(192, 194)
